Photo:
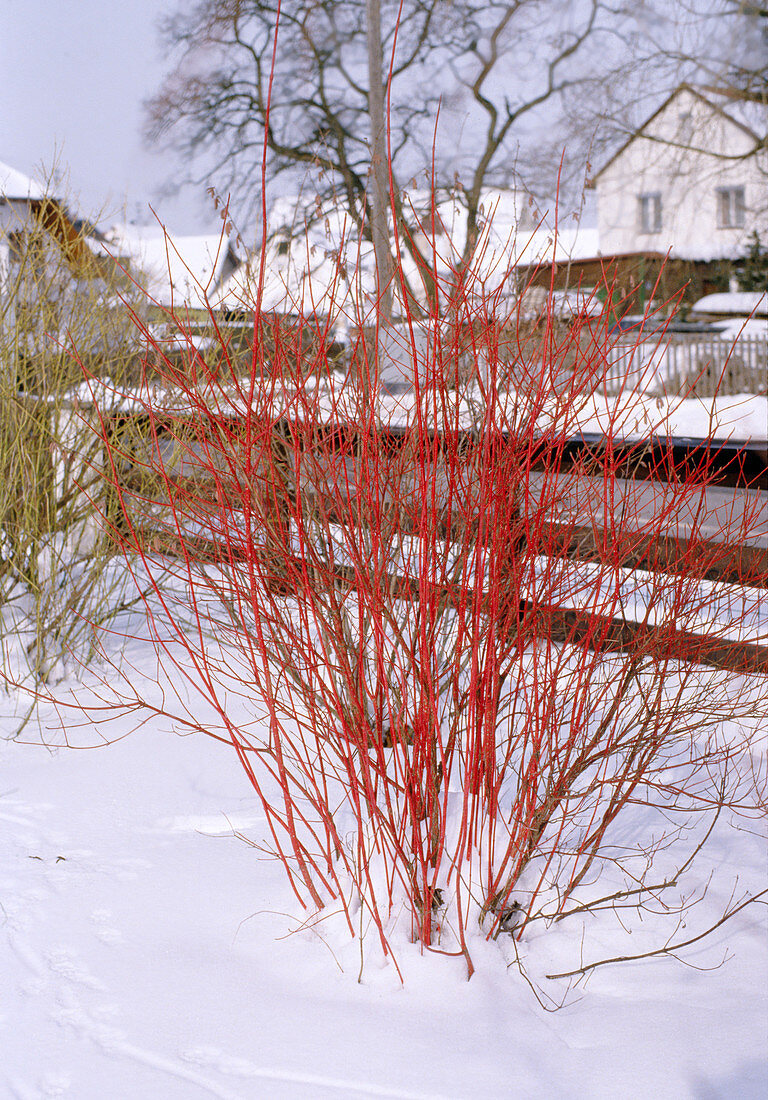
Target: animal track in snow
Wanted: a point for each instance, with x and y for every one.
(114, 1043)
(104, 930)
(25, 820)
(53, 1085)
(213, 825)
(213, 1058)
(65, 965)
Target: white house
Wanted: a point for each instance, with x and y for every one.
(692, 182)
(56, 281)
(16, 193)
(33, 215)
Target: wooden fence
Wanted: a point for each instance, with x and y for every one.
(738, 566)
(681, 364)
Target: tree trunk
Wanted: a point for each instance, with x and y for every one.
(379, 176)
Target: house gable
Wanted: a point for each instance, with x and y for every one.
(647, 130)
(691, 182)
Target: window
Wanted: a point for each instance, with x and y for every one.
(686, 127)
(650, 212)
(730, 207)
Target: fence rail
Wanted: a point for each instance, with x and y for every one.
(207, 539)
(675, 364)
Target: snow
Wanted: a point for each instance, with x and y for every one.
(744, 328)
(150, 947)
(146, 951)
(718, 610)
(15, 185)
(742, 303)
(741, 417)
(178, 270)
(316, 263)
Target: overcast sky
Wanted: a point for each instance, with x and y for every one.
(73, 74)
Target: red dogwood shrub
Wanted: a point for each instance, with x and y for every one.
(452, 625)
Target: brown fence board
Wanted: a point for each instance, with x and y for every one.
(744, 565)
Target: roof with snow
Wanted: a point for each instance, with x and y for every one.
(739, 303)
(319, 264)
(175, 270)
(15, 185)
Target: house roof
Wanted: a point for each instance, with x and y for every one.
(15, 185)
(306, 262)
(749, 116)
(177, 270)
(741, 303)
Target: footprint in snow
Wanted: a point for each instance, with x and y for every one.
(213, 1058)
(104, 931)
(53, 1085)
(65, 965)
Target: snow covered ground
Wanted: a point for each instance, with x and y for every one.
(145, 953)
(149, 950)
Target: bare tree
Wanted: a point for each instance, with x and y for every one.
(64, 307)
(496, 71)
(719, 46)
(512, 83)
(739, 67)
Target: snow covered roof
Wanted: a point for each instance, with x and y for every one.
(741, 303)
(15, 185)
(513, 230)
(572, 244)
(177, 270)
(313, 265)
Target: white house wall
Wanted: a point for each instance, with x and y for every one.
(687, 179)
(14, 215)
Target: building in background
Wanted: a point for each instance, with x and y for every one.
(692, 186)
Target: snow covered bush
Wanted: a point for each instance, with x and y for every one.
(463, 623)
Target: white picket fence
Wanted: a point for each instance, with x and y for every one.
(681, 364)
